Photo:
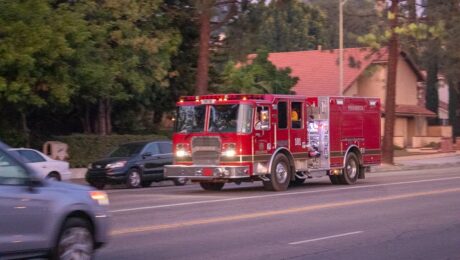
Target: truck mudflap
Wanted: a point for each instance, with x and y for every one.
(206, 172)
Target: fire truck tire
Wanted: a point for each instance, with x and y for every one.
(351, 170)
(280, 174)
(212, 186)
(334, 179)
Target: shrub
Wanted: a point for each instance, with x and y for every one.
(84, 149)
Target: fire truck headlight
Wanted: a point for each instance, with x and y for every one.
(181, 153)
(230, 153)
(182, 150)
(229, 150)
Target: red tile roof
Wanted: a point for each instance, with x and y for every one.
(413, 110)
(318, 71)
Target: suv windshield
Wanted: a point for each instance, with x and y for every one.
(127, 150)
(230, 118)
(190, 119)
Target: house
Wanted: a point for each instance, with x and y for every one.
(365, 74)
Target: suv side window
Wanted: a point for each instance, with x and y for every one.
(31, 156)
(152, 148)
(165, 148)
(11, 172)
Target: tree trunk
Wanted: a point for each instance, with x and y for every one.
(453, 106)
(390, 98)
(101, 116)
(201, 86)
(108, 116)
(86, 121)
(25, 128)
(432, 97)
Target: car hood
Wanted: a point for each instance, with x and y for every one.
(65, 185)
(106, 161)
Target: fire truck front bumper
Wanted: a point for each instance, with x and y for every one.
(206, 172)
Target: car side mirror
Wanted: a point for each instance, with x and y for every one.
(33, 182)
(147, 154)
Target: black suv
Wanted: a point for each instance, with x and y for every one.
(136, 164)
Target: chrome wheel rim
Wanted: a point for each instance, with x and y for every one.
(281, 172)
(352, 169)
(76, 243)
(134, 179)
(182, 180)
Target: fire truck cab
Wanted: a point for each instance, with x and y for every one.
(277, 139)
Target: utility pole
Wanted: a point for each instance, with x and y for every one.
(341, 3)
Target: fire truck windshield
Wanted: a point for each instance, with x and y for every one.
(230, 118)
(190, 119)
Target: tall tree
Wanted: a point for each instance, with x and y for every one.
(260, 76)
(390, 96)
(277, 26)
(359, 17)
(207, 10)
(129, 55)
(35, 46)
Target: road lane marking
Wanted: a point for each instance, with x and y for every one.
(278, 195)
(279, 212)
(324, 238)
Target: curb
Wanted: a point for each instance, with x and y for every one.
(394, 168)
(78, 173)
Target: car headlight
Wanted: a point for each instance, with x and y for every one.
(100, 197)
(118, 164)
(229, 150)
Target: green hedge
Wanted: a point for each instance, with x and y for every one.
(84, 149)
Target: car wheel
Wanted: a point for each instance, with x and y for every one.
(212, 186)
(280, 174)
(351, 171)
(54, 176)
(75, 240)
(146, 184)
(180, 181)
(134, 179)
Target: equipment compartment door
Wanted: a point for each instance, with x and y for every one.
(281, 124)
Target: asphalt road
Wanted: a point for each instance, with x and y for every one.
(392, 215)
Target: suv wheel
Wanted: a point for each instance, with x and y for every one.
(75, 240)
(134, 179)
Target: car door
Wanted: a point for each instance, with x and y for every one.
(166, 153)
(152, 161)
(24, 212)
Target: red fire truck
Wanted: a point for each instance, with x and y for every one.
(277, 139)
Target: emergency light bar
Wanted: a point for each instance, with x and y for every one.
(220, 97)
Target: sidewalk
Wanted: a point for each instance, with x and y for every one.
(424, 161)
(403, 163)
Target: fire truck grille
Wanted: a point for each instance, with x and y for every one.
(206, 150)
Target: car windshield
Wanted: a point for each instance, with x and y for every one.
(127, 150)
(230, 118)
(190, 119)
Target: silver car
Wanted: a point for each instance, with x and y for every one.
(45, 218)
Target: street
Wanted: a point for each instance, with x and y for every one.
(389, 215)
